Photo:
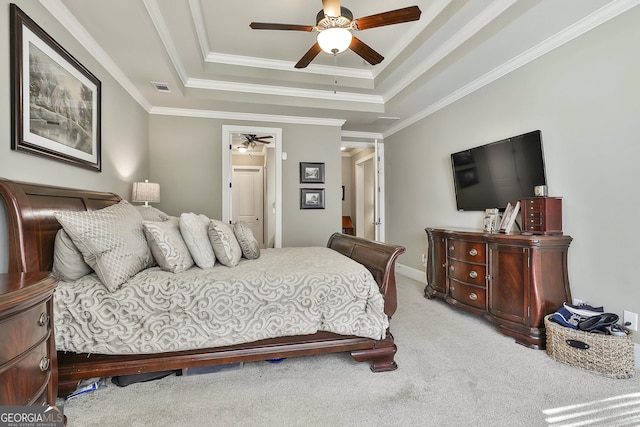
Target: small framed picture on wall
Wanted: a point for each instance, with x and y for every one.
(311, 173)
(312, 198)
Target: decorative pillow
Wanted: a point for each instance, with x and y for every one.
(224, 243)
(149, 213)
(111, 241)
(247, 240)
(67, 259)
(195, 234)
(167, 245)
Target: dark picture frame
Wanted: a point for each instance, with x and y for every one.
(56, 101)
(312, 198)
(311, 173)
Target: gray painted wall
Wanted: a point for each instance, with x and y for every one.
(585, 97)
(185, 158)
(124, 127)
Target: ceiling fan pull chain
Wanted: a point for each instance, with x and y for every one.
(335, 74)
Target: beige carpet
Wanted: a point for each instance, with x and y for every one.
(454, 370)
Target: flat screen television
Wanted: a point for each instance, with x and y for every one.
(492, 175)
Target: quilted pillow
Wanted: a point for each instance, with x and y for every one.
(247, 240)
(111, 241)
(167, 245)
(194, 229)
(67, 259)
(224, 243)
(149, 213)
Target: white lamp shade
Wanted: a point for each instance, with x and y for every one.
(146, 192)
(334, 40)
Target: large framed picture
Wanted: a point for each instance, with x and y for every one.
(55, 99)
(312, 198)
(311, 173)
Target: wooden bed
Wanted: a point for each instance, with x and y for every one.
(31, 231)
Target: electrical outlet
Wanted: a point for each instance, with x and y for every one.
(632, 319)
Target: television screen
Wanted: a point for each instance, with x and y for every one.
(492, 175)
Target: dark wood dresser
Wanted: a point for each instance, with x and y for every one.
(513, 280)
(28, 371)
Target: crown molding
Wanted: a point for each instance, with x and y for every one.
(360, 135)
(283, 91)
(228, 115)
(71, 24)
(272, 64)
(595, 19)
(478, 23)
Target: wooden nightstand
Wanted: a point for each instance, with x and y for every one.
(28, 371)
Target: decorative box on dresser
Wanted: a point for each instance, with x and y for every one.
(28, 374)
(541, 215)
(513, 280)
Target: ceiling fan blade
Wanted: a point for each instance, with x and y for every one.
(261, 138)
(309, 56)
(290, 27)
(398, 16)
(331, 8)
(368, 54)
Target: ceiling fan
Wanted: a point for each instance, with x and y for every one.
(251, 139)
(334, 24)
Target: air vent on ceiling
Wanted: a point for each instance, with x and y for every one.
(161, 87)
(385, 121)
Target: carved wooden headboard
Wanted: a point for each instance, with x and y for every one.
(32, 227)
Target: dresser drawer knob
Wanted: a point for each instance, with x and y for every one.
(44, 364)
(44, 319)
(473, 296)
(473, 252)
(473, 274)
(451, 248)
(451, 268)
(444, 265)
(452, 288)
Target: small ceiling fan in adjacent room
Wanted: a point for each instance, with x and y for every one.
(251, 140)
(334, 24)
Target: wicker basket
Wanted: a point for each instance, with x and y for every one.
(608, 355)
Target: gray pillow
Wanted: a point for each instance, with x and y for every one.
(194, 229)
(67, 259)
(111, 241)
(246, 240)
(224, 243)
(149, 213)
(167, 245)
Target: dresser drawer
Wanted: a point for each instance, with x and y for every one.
(467, 251)
(23, 330)
(469, 295)
(469, 273)
(25, 381)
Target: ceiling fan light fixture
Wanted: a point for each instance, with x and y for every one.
(242, 149)
(334, 40)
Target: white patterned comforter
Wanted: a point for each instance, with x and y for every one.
(288, 291)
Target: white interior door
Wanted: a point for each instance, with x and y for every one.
(247, 199)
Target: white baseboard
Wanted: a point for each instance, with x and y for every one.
(420, 276)
(411, 273)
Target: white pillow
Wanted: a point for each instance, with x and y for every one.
(67, 259)
(149, 213)
(247, 240)
(167, 245)
(224, 243)
(111, 241)
(194, 229)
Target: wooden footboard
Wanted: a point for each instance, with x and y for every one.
(32, 228)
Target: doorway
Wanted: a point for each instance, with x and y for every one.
(364, 184)
(247, 195)
(271, 187)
